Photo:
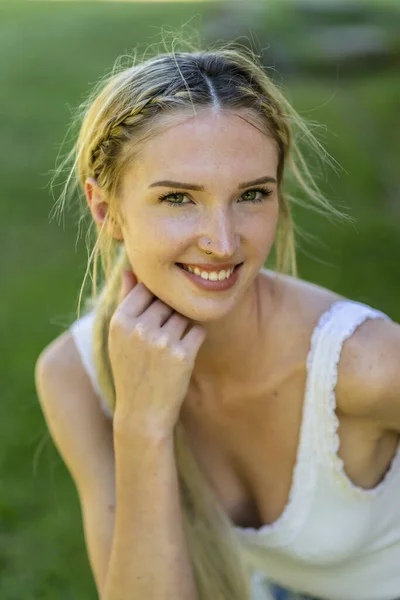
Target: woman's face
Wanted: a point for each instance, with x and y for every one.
(219, 152)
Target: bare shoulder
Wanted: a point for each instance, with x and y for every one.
(368, 383)
(80, 429)
(368, 372)
(60, 363)
(61, 353)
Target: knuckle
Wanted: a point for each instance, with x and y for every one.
(139, 330)
(179, 353)
(162, 341)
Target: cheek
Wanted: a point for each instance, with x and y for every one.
(170, 230)
(158, 244)
(170, 237)
(271, 219)
(261, 234)
(261, 228)
(145, 234)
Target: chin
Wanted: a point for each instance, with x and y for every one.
(207, 312)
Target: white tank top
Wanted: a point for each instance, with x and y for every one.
(334, 540)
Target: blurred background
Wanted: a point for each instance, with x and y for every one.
(338, 63)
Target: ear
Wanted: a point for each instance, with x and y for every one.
(99, 208)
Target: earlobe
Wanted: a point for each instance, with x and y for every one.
(114, 229)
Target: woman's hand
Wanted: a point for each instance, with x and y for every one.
(151, 358)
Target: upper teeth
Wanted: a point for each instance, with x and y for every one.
(213, 275)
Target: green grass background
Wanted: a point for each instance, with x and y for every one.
(50, 55)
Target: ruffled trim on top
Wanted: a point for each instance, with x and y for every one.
(319, 427)
(284, 529)
(338, 324)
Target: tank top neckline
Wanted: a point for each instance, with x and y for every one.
(283, 529)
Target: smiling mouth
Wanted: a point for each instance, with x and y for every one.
(215, 280)
(184, 267)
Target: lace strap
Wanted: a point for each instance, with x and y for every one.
(82, 330)
(333, 328)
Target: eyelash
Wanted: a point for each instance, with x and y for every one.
(265, 192)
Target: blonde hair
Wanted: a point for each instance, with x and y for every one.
(122, 113)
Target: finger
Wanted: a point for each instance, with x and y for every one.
(156, 314)
(136, 301)
(129, 280)
(175, 326)
(194, 339)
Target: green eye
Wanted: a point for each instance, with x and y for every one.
(263, 194)
(250, 192)
(163, 198)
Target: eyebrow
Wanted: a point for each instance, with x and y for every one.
(200, 188)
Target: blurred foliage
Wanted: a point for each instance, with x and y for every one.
(324, 38)
(51, 54)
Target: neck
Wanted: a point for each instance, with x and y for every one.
(231, 353)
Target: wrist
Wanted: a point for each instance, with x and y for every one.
(133, 429)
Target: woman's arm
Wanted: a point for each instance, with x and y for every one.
(83, 435)
(149, 557)
(147, 498)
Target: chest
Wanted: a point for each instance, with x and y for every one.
(248, 451)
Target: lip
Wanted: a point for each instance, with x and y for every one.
(213, 286)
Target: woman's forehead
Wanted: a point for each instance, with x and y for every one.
(207, 137)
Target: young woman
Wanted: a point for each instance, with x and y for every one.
(232, 430)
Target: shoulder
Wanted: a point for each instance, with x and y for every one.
(368, 375)
(368, 384)
(61, 376)
(60, 357)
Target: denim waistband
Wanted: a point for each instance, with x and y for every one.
(280, 593)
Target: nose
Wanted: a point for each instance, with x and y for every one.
(219, 233)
